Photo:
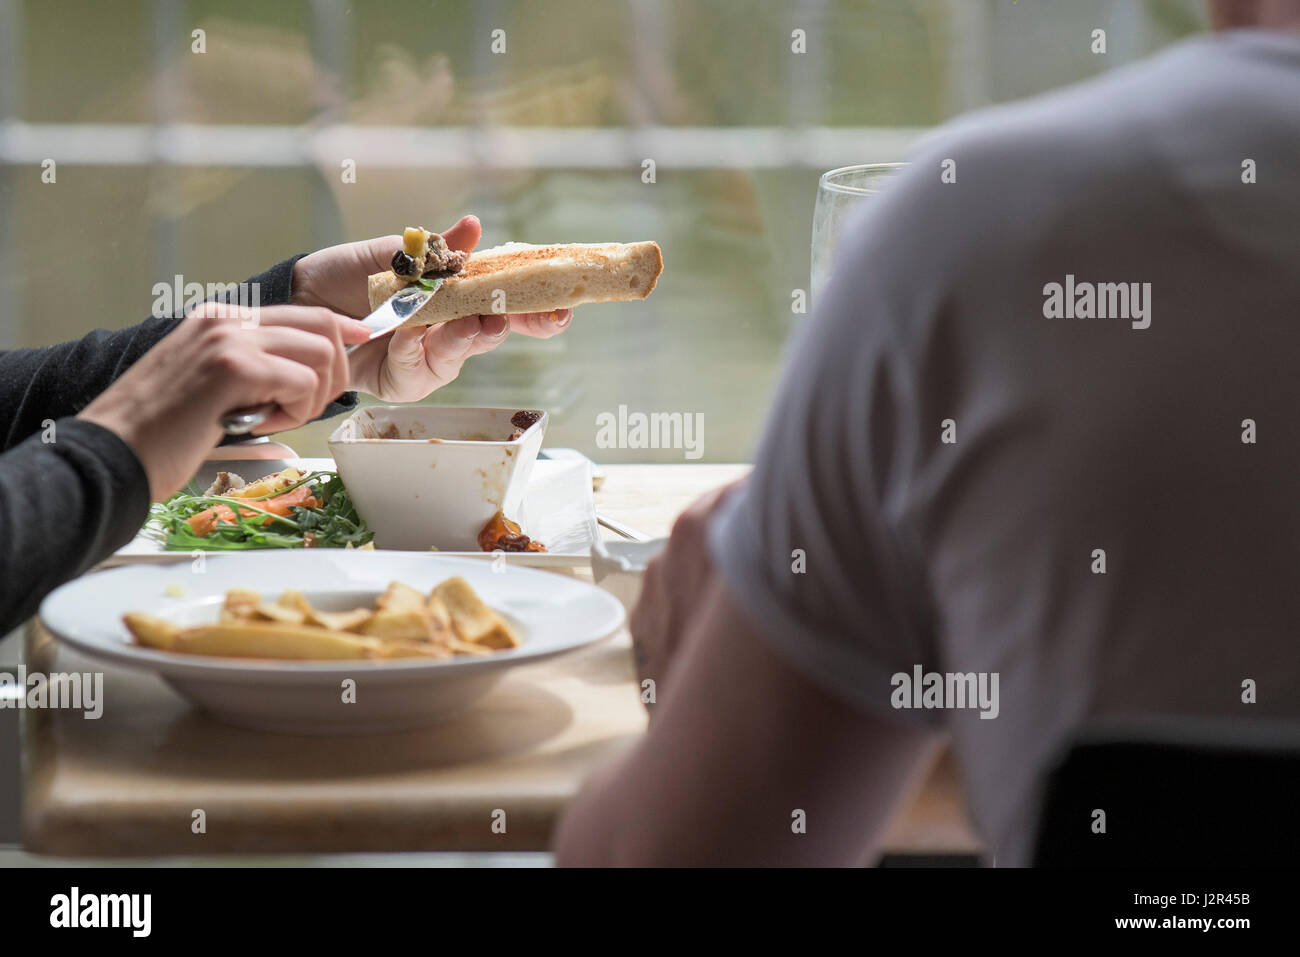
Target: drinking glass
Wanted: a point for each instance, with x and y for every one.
(839, 193)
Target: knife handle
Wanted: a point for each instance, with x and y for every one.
(243, 421)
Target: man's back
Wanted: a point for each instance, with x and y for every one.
(1045, 426)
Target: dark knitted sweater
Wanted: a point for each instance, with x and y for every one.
(69, 503)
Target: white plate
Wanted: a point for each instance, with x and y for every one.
(553, 613)
(558, 511)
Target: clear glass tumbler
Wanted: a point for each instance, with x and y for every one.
(839, 193)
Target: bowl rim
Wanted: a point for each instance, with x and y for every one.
(540, 424)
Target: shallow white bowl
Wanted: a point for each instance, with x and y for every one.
(554, 614)
(423, 476)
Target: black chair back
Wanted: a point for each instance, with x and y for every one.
(1174, 793)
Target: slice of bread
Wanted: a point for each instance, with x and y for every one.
(518, 277)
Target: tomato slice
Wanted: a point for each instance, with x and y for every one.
(203, 523)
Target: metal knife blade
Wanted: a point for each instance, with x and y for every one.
(392, 312)
(399, 307)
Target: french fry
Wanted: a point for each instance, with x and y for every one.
(292, 608)
(452, 620)
(354, 620)
(410, 624)
(281, 613)
(399, 597)
(440, 614)
(152, 631)
(472, 619)
(412, 649)
(271, 640)
(468, 648)
(499, 638)
(240, 604)
(296, 600)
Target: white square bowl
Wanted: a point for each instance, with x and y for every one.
(423, 476)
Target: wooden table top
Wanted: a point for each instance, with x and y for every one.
(128, 784)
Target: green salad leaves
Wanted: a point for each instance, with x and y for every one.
(190, 520)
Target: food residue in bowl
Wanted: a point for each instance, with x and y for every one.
(522, 421)
(501, 534)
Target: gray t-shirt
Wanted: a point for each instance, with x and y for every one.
(969, 469)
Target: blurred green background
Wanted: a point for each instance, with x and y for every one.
(217, 164)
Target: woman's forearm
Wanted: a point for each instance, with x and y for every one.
(43, 384)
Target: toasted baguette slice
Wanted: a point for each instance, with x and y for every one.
(535, 279)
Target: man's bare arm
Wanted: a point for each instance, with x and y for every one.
(737, 744)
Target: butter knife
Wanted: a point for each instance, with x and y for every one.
(394, 311)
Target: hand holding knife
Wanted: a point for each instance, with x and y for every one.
(394, 311)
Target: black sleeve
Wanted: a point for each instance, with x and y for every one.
(69, 497)
(72, 492)
(40, 385)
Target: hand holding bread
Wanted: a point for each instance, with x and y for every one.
(467, 316)
(523, 278)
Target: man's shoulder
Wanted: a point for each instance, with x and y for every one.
(1198, 82)
(1013, 175)
(1093, 117)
